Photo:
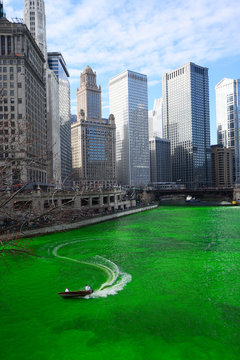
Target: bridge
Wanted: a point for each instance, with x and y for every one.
(228, 194)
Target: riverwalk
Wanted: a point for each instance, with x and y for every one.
(79, 224)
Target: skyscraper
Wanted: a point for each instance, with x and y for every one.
(35, 19)
(160, 160)
(155, 119)
(222, 166)
(53, 143)
(89, 95)
(228, 119)
(23, 128)
(128, 96)
(57, 64)
(93, 138)
(186, 123)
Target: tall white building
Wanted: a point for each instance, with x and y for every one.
(53, 126)
(155, 119)
(35, 19)
(228, 119)
(186, 123)
(128, 96)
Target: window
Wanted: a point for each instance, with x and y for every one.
(19, 100)
(3, 45)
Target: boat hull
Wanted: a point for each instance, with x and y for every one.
(75, 294)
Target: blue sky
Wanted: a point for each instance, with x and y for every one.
(151, 37)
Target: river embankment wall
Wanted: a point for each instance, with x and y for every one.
(79, 224)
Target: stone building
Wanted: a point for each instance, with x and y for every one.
(35, 19)
(222, 166)
(93, 138)
(23, 127)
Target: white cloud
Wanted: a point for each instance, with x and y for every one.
(147, 36)
(142, 35)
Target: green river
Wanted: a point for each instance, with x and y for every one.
(167, 286)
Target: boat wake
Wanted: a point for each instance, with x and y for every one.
(116, 280)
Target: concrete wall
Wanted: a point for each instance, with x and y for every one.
(80, 224)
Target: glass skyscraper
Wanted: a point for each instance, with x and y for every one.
(160, 160)
(186, 123)
(57, 64)
(228, 119)
(128, 96)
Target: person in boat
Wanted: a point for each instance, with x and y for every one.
(87, 287)
(66, 290)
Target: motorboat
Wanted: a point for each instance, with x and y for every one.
(75, 294)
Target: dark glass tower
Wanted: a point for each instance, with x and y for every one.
(57, 64)
(186, 123)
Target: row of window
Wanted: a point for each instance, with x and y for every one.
(4, 69)
(11, 62)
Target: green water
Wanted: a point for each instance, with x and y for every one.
(172, 290)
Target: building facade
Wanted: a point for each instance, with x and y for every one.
(58, 66)
(53, 126)
(35, 19)
(23, 126)
(228, 119)
(155, 119)
(160, 160)
(186, 123)
(93, 138)
(128, 97)
(222, 166)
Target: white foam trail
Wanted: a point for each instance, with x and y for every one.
(116, 280)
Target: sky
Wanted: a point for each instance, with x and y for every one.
(151, 37)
